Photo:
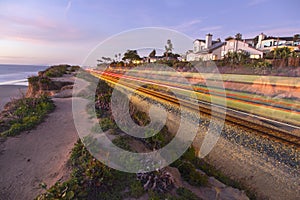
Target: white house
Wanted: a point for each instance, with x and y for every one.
(215, 50)
(234, 45)
(267, 44)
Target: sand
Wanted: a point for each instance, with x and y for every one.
(38, 156)
(10, 91)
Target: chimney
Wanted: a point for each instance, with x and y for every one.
(261, 37)
(208, 41)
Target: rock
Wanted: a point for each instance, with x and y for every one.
(67, 87)
(64, 94)
(215, 183)
(230, 193)
(176, 175)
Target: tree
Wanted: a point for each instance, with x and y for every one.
(255, 40)
(106, 59)
(171, 55)
(281, 53)
(152, 54)
(168, 47)
(285, 52)
(131, 55)
(229, 38)
(238, 36)
(296, 37)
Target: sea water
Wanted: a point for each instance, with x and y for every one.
(18, 74)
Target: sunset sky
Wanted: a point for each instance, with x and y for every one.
(65, 31)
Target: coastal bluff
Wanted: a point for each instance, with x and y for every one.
(52, 83)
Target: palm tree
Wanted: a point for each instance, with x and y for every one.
(285, 52)
(275, 53)
(238, 36)
(169, 48)
(296, 37)
(99, 61)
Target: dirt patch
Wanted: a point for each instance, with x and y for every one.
(38, 156)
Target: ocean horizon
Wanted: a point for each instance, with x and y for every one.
(12, 74)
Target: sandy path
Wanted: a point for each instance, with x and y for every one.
(40, 156)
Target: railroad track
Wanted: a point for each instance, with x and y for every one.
(272, 129)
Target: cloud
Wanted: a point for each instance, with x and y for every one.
(283, 31)
(68, 7)
(174, 3)
(187, 25)
(211, 28)
(256, 2)
(37, 22)
(38, 29)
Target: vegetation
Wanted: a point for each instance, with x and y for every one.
(238, 36)
(25, 114)
(279, 53)
(188, 162)
(59, 70)
(186, 194)
(152, 53)
(169, 48)
(107, 123)
(236, 58)
(181, 194)
(90, 179)
(131, 55)
(122, 142)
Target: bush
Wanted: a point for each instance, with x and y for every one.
(191, 175)
(90, 179)
(122, 142)
(106, 124)
(186, 194)
(136, 189)
(29, 112)
(56, 71)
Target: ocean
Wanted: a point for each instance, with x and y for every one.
(18, 74)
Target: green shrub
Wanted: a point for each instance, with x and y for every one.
(186, 194)
(97, 129)
(74, 68)
(90, 179)
(29, 113)
(56, 71)
(106, 124)
(191, 175)
(122, 142)
(136, 189)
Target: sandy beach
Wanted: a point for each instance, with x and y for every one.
(7, 92)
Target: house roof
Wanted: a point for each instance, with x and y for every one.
(215, 46)
(280, 38)
(201, 40)
(157, 57)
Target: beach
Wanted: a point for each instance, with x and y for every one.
(8, 92)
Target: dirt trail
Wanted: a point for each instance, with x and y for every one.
(38, 156)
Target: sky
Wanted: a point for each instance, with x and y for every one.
(44, 32)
